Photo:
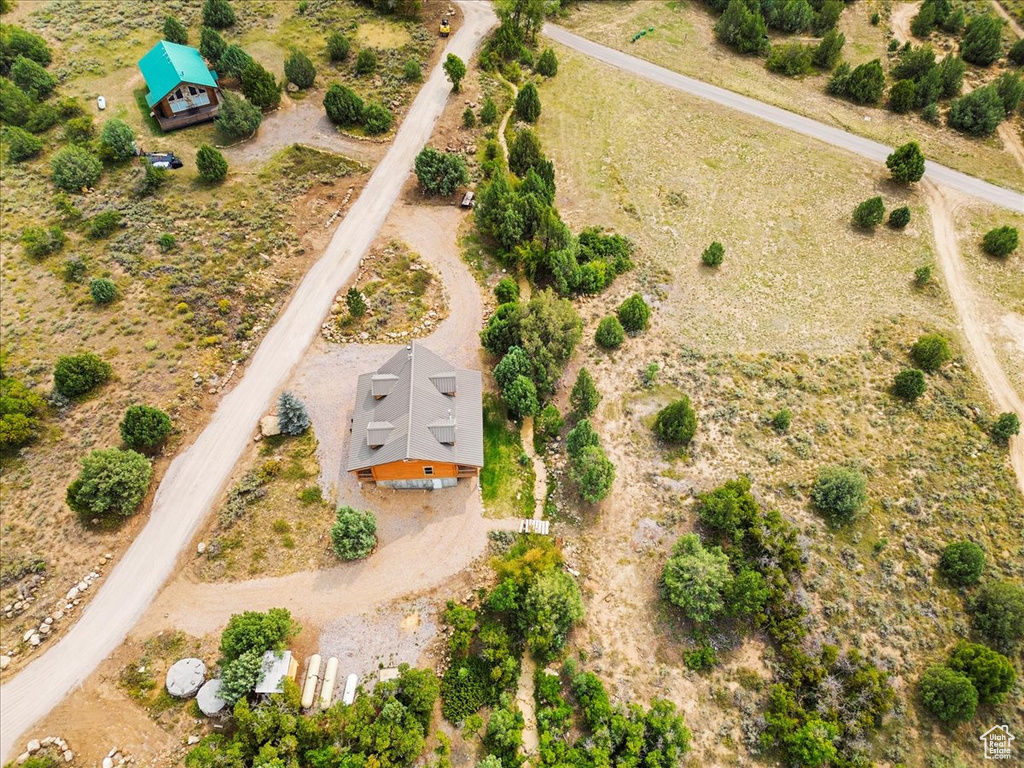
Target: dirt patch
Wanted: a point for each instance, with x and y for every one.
(394, 634)
(380, 34)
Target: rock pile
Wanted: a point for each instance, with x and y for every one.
(54, 745)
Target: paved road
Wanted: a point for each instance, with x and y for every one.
(196, 477)
(872, 150)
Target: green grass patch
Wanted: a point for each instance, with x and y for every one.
(147, 119)
(506, 482)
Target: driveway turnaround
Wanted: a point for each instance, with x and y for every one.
(872, 150)
(196, 476)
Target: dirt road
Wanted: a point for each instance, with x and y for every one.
(941, 208)
(1009, 19)
(196, 477)
(872, 150)
(900, 19)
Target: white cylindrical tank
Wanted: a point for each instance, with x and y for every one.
(330, 678)
(350, 689)
(312, 677)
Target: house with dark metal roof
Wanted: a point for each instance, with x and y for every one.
(417, 423)
(182, 91)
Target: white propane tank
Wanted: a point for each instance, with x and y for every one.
(350, 689)
(330, 678)
(312, 676)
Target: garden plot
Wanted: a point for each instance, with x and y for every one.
(683, 40)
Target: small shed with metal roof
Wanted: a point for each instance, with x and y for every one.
(418, 422)
(277, 665)
(182, 90)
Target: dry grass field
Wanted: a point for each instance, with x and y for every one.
(805, 314)
(683, 40)
(1000, 281)
(796, 275)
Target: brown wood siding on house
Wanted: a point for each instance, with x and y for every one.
(164, 107)
(413, 470)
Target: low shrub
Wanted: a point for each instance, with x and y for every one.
(610, 333)
(962, 563)
(354, 533)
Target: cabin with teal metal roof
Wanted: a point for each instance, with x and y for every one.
(182, 90)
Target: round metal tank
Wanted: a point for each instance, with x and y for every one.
(185, 677)
(330, 679)
(312, 677)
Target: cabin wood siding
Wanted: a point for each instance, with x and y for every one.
(164, 105)
(413, 470)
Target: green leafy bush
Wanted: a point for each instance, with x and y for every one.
(255, 631)
(174, 31)
(260, 86)
(930, 352)
(696, 578)
(145, 428)
(593, 473)
(829, 50)
(580, 437)
(441, 173)
(713, 254)
(103, 225)
(211, 46)
(354, 533)
(998, 613)
(299, 70)
(742, 28)
(39, 243)
(1005, 426)
(21, 145)
(839, 493)
(465, 688)
(551, 607)
(236, 117)
(899, 217)
(527, 106)
(781, 420)
(112, 482)
(790, 59)
(32, 79)
(377, 118)
(75, 375)
(117, 141)
(991, 673)
(506, 290)
(338, 46)
(610, 333)
(455, 69)
(211, 165)
(977, 113)
(923, 275)
(1000, 242)
(343, 105)
(218, 14)
(909, 384)
(634, 314)
(962, 563)
(15, 105)
(234, 61)
(870, 213)
(584, 397)
(676, 422)
(167, 242)
(982, 43)
(521, 398)
(412, 71)
(75, 168)
(548, 424)
(906, 164)
(489, 111)
(19, 411)
(15, 42)
(366, 62)
(547, 63)
(103, 290)
(949, 695)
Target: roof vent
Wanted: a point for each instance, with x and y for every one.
(443, 430)
(382, 384)
(445, 382)
(377, 433)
